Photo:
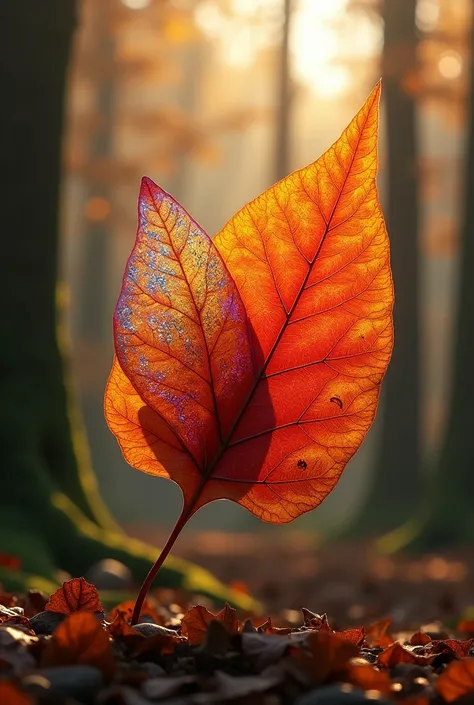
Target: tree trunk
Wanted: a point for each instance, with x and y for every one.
(283, 109)
(449, 519)
(50, 514)
(396, 482)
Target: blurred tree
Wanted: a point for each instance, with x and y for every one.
(395, 485)
(283, 114)
(447, 518)
(50, 512)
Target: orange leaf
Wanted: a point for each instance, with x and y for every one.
(260, 390)
(74, 595)
(121, 628)
(195, 621)
(355, 636)
(466, 626)
(125, 609)
(11, 695)
(420, 639)
(457, 647)
(396, 653)
(367, 677)
(376, 633)
(329, 655)
(80, 639)
(456, 680)
(10, 562)
(249, 368)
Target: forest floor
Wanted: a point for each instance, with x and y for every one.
(349, 581)
(339, 624)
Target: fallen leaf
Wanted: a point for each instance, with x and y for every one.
(376, 633)
(10, 562)
(80, 639)
(156, 645)
(75, 595)
(314, 620)
(121, 629)
(366, 677)
(420, 639)
(397, 653)
(457, 647)
(195, 622)
(323, 656)
(355, 636)
(456, 680)
(466, 626)
(126, 610)
(229, 353)
(10, 694)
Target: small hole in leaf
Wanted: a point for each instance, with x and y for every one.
(302, 464)
(336, 400)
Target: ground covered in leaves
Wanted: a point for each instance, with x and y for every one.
(67, 648)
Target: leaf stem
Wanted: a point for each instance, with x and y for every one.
(186, 513)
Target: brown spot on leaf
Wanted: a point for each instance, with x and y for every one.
(302, 464)
(336, 400)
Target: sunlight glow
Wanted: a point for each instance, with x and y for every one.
(450, 65)
(136, 4)
(427, 15)
(324, 40)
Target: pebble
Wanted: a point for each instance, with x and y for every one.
(110, 574)
(148, 629)
(79, 682)
(46, 622)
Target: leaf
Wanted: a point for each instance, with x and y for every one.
(466, 626)
(376, 633)
(366, 677)
(457, 647)
(197, 619)
(355, 636)
(10, 562)
(80, 639)
(74, 595)
(125, 609)
(9, 693)
(249, 368)
(420, 639)
(327, 656)
(396, 653)
(456, 680)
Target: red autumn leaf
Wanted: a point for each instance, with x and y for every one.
(355, 636)
(10, 694)
(120, 628)
(249, 368)
(456, 680)
(8, 600)
(396, 653)
(195, 621)
(367, 677)
(466, 626)
(376, 633)
(268, 628)
(126, 610)
(80, 639)
(10, 562)
(457, 647)
(325, 655)
(420, 639)
(155, 646)
(315, 621)
(75, 595)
